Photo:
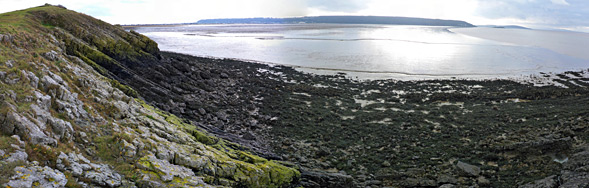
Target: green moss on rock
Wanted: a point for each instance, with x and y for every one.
(233, 165)
(124, 88)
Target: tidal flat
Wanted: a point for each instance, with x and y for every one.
(342, 132)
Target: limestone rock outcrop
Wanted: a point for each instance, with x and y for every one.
(66, 121)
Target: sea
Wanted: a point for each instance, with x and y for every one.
(384, 51)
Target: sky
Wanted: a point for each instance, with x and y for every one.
(541, 14)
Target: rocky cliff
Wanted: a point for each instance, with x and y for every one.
(69, 118)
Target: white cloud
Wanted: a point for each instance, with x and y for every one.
(184, 11)
(560, 2)
(448, 9)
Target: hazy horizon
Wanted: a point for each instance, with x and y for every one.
(541, 14)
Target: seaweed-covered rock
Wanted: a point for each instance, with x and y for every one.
(322, 179)
(446, 179)
(447, 186)
(468, 169)
(576, 170)
(548, 182)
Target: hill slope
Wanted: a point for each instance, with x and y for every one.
(66, 120)
(341, 20)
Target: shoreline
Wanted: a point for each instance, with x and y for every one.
(539, 78)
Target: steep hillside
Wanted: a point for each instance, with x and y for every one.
(66, 120)
(188, 87)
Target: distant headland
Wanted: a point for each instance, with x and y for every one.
(341, 20)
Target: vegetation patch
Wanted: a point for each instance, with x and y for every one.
(7, 170)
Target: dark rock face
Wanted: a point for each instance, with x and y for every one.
(331, 180)
(219, 96)
(469, 169)
(574, 174)
(548, 182)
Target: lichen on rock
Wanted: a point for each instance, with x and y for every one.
(36, 176)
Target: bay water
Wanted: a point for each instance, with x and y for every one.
(383, 51)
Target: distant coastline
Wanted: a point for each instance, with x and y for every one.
(384, 20)
(504, 26)
(341, 20)
(128, 26)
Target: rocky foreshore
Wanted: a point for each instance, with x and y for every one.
(87, 104)
(495, 133)
(350, 133)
